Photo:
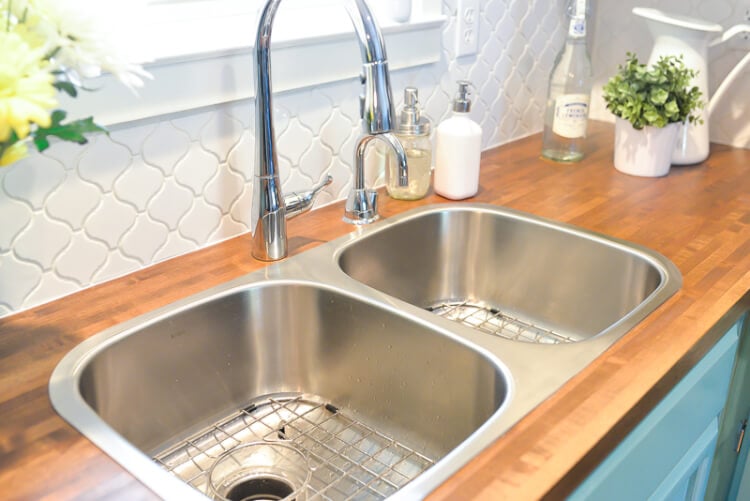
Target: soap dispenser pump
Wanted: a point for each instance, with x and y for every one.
(413, 131)
(458, 149)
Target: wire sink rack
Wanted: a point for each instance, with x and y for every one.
(492, 321)
(350, 460)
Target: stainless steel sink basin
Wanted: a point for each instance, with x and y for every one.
(340, 378)
(338, 351)
(511, 274)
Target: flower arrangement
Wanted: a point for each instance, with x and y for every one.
(48, 47)
(656, 95)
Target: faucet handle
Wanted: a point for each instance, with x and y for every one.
(298, 202)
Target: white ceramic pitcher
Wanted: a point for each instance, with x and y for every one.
(680, 35)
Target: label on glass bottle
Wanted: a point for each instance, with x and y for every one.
(577, 27)
(571, 115)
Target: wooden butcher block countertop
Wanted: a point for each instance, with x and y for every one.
(697, 216)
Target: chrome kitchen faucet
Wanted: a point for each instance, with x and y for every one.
(270, 208)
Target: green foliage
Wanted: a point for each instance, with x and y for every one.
(655, 96)
(72, 131)
(63, 84)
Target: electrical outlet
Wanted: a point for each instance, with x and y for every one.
(467, 28)
(742, 40)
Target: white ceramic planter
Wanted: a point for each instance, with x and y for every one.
(646, 152)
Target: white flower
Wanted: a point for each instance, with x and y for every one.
(89, 36)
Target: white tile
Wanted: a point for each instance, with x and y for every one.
(138, 184)
(242, 157)
(342, 179)
(110, 220)
(33, 179)
(15, 217)
(316, 160)
(196, 169)
(201, 221)
(132, 137)
(103, 162)
(66, 153)
(176, 245)
(240, 210)
(295, 140)
(315, 110)
(165, 146)
(242, 111)
(81, 259)
(192, 122)
(42, 241)
(228, 228)
(51, 287)
(220, 135)
(116, 266)
(17, 280)
(73, 200)
(171, 203)
(224, 188)
(336, 131)
(143, 239)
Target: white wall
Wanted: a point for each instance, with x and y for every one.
(78, 216)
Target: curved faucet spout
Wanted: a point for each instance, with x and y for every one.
(268, 209)
(359, 161)
(362, 204)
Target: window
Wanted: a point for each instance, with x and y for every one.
(201, 53)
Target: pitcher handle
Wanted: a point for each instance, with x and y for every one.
(729, 33)
(726, 83)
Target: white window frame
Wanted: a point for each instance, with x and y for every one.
(202, 54)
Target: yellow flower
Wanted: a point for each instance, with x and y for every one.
(26, 90)
(12, 153)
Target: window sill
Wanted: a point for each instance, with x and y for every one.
(192, 71)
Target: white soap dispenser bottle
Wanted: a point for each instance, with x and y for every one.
(458, 147)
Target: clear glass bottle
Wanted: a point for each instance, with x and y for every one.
(569, 93)
(413, 131)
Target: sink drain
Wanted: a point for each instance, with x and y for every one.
(259, 471)
(264, 488)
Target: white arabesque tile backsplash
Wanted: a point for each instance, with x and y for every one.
(77, 216)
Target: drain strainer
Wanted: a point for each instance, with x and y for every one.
(260, 489)
(259, 471)
(493, 321)
(349, 459)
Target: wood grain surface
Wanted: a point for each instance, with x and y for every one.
(698, 216)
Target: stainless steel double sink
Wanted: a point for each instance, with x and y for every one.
(389, 357)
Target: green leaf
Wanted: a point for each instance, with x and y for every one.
(73, 131)
(671, 109)
(658, 96)
(66, 87)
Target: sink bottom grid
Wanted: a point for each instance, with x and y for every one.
(349, 459)
(495, 322)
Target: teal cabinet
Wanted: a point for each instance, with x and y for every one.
(730, 472)
(669, 454)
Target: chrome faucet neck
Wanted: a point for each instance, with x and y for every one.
(268, 209)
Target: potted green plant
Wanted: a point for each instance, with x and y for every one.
(650, 104)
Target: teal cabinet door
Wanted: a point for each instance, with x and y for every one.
(668, 455)
(688, 480)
